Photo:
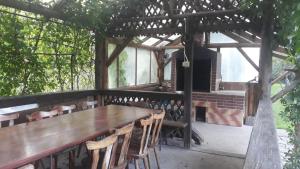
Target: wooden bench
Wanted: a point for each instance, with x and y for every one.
(179, 125)
(176, 128)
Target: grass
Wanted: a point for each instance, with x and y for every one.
(277, 108)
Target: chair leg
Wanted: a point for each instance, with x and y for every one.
(71, 159)
(148, 158)
(156, 157)
(79, 150)
(146, 164)
(136, 164)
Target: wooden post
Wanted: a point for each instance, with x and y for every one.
(101, 72)
(159, 55)
(188, 85)
(265, 62)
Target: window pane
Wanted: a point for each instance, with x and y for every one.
(127, 67)
(154, 67)
(143, 66)
(235, 68)
(112, 69)
(112, 75)
(167, 71)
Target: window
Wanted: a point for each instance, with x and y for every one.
(143, 66)
(127, 67)
(112, 69)
(235, 68)
(154, 67)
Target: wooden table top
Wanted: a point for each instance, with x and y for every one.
(28, 142)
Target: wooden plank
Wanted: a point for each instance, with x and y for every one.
(117, 51)
(248, 58)
(263, 150)
(50, 136)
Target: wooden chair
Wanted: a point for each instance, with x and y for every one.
(120, 150)
(64, 109)
(138, 148)
(157, 121)
(105, 144)
(92, 104)
(42, 115)
(11, 118)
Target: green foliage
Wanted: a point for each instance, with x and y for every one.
(36, 55)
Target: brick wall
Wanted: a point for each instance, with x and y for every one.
(220, 109)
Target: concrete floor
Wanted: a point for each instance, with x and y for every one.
(224, 140)
(224, 147)
(173, 158)
(176, 158)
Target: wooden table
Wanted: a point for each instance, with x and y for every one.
(25, 143)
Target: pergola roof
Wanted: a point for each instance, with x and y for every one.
(152, 17)
(159, 17)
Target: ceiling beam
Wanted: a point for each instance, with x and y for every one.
(117, 51)
(218, 45)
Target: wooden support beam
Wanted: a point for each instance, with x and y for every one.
(101, 72)
(117, 51)
(132, 44)
(280, 77)
(188, 84)
(237, 37)
(161, 40)
(263, 150)
(219, 45)
(265, 76)
(285, 91)
(34, 8)
(248, 58)
(159, 55)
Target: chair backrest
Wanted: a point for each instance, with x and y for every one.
(63, 109)
(42, 115)
(158, 121)
(92, 104)
(120, 150)
(105, 144)
(9, 118)
(146, 125)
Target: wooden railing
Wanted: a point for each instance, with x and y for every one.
(171, 102)
(263, 150)
(46, 99)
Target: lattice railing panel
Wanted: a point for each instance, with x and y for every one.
(174, 107)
